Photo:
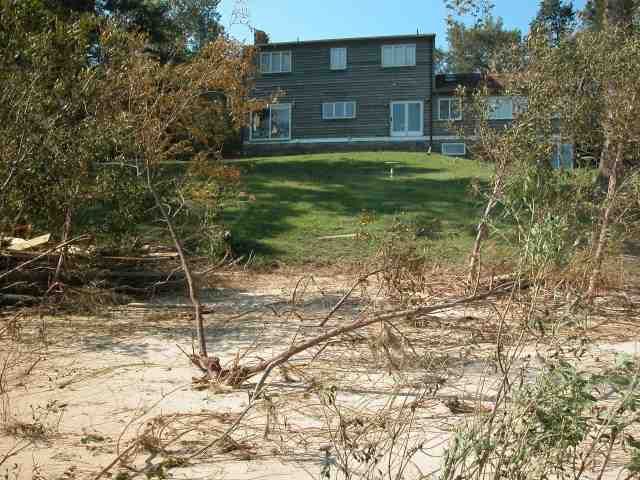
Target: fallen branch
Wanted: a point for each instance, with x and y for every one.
(106, 469)
(10, 299)
(44, 254)
(347, 295)
(13, 452)
(237, 375)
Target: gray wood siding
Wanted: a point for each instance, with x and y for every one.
(312, 83)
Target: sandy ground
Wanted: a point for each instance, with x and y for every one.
(79, 390)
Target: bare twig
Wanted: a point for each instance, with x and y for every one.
(191, 286)
(347, 295)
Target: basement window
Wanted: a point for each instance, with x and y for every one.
(454, 149)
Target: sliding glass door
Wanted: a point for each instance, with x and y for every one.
(407, 119)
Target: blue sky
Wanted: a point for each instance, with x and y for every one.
(287, 20)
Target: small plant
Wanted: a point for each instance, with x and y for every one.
(564, 424)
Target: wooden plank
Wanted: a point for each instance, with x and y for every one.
(19, 244)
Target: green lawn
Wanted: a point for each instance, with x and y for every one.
(299, 199)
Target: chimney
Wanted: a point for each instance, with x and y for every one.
(260, 37)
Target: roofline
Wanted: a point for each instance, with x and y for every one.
(352, 39)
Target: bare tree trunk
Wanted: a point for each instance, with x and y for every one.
(608, 206)
(191, 284)
(474, 260)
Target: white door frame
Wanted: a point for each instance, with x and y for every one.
(407, 132)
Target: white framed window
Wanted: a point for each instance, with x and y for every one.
(407, 118)
(520, 105)
(338, 58)
(338, 110)
(450, 108)
(454, 149)
(563, 156)
(275, 62)
(500, 108)
(272, 123)
(399, 55)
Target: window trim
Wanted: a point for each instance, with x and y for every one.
(449, 118)
(464, 148)
(557, 160)
(404, 45)
(280, 106)
(407, 133)
(271, 54)
(346, 59)
(498, 97)
(334, 117)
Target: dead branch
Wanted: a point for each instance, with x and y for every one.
(9, 299)
(13, 452)
(237, 374)
(193, 292)
(44, 254)
(347, 295)
(106, 469)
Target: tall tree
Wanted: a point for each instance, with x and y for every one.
(150, 17)
(618, 12)
(476, 48)
(556, 19)
(197, 20)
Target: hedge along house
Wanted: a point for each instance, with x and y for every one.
(357, 93)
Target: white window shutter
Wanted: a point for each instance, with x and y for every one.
(387, 56)
(286, 61)
(350, 109)
(411, 55)
(327, 110)
(265, 62)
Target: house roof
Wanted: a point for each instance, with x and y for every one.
(449, 83)
(345, 40)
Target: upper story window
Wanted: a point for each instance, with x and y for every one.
(275, 62)
(450, 108)
(338, 110)
(338, 58)
(399, 55)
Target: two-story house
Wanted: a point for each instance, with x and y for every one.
(365, 93)
(343, 93)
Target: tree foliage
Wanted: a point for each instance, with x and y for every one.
(78, 130)
(556, 19)
(198, 21)
(477, 48)
(620, 12)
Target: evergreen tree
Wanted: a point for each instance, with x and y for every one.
(197, 20)
(615, 12)
(556, 18)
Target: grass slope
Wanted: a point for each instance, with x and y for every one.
(301, 198)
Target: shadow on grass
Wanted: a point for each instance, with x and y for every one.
(302, 198)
